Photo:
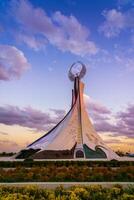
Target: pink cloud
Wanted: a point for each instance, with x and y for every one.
(13, 63)
(64, 32)
(29, 117)
(37, 120)
(95, 106)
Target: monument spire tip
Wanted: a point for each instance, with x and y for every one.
(77, 69)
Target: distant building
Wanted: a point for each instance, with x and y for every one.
(130, 154)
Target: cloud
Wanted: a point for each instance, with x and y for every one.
(28, 117)
(123, 126)
(126, 120)
(127, 62)
(13, 63)
(105, 126)
(7, 145)
(43, 121)
(33, 42)
(58, 113)
(119, 124)
(115, 21)
(97, 111)
(3, 133)
(95, 106)
(64, 32)
(113, 141)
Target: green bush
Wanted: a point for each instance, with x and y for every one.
(54, 173)
(67, 163)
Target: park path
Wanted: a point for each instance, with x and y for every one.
(52, 185)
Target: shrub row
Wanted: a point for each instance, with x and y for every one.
(74, 193)
(70, 173)
(31, 163)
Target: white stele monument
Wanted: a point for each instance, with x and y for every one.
(74, 136)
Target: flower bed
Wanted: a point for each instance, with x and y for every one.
(74, 193)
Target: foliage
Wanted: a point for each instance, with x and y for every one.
(66, 163)
(5, 154)
(92, 192)
(54, 173)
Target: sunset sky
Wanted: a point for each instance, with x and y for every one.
(39, 40)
